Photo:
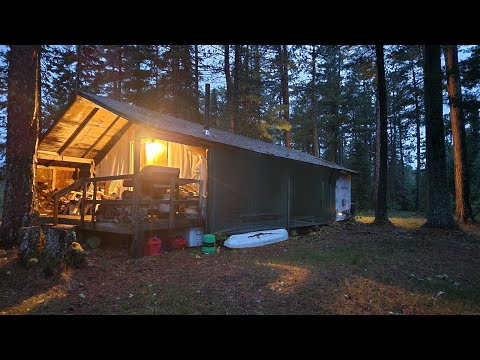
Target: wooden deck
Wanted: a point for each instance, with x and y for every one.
(118, 228)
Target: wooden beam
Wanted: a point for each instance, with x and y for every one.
(113, 141)
(69, 188)
(65, 109)
(101, 137)
(94, 202)
(52, 156)
(77, 130)
(200, 202)
(171, 214)
(39, 166)
(54, 178)
(55, 210)
(137, 235)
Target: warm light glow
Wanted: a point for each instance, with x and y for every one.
(290, 278)
(340, 214)
(153, 150)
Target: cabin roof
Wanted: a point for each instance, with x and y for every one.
(92, 124)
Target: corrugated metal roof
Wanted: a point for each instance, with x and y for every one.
(172, 124)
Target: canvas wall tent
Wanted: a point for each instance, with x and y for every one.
(249, 184)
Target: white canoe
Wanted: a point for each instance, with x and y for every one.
(256, 238)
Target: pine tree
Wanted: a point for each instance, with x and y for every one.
(24, 89)
(137, 74)
(228, 81)
(3, 103)
(330, 105)
(438, 211)
(284, 61)
(381, 204)
(463, 209)
(313, 92)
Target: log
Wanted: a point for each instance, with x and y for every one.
(32, 242)
(58, 240)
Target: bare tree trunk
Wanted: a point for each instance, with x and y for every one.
(24, 103)
(392, 165)
(417, 125)
(228, 81)
(476, 132)
(285, 94)
(463, 209)
(381, 208)
(236, 88)
(197, 78)
(438, 210)
(377, 150)
(175, 75)
(157, 66)
(316, 150)
(402, 164)
(78, 69)
(120, 71)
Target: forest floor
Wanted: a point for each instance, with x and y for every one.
(346, 268)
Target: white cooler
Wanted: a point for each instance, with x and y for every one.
(194, 236)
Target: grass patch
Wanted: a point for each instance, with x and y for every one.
(342, 255)
(406, 221)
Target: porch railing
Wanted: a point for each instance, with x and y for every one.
(172, 186)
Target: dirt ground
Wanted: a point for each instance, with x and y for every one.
(347, 268)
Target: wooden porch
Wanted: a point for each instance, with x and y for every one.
(91, 189)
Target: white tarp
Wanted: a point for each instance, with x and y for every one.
(190, 160)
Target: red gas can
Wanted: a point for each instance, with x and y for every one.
(153, 247)
(180, 243)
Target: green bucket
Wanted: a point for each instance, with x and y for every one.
(208, 244)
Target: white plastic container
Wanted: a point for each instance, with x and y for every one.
(164, 208)
(194, 236)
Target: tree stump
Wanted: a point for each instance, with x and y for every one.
(58, 240)
(32, 242)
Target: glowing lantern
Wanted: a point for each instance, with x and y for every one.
(153, 151)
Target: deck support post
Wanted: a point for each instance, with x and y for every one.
(171, 214)
(94, 202)
(55, 210)
(136, 249)
(83, 204)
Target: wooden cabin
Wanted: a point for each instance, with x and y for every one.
(115, 167)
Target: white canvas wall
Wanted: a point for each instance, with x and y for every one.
(190, 160)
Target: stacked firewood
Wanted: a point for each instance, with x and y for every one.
(46, 201)
(114, 213)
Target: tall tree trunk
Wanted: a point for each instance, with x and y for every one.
(197, 79)
(228, 81)
(381, 208)
(377, 149)
(285, 94)
(175, 76)
(24, 103)
(120, 71)
(438, 209)
(236, 88)
(78, 67)
(402, 165)
(392, 165)
(417, 127)
(476, 132)
(463, 209)
(316, 150)
(156, 63)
